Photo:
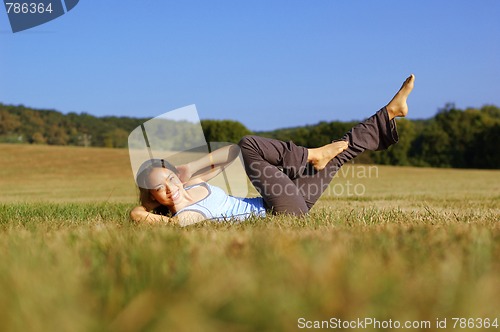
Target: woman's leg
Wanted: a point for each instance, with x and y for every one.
(271, 165)
(375, 133)
(291, 178)
(284, 174)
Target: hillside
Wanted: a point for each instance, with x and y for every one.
(453, 138)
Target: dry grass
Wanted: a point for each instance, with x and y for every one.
(419, 244)
(64, 174)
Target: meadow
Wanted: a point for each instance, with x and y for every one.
(394, 245)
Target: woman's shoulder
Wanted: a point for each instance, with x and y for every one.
(194, 182)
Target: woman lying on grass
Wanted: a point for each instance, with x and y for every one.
(289, 178)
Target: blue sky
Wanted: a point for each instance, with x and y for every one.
(268, 64)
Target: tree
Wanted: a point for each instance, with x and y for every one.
(431, 147)
(398, 154)
(116, 138)
(484, 152)
(223, 130)
(492, 111)
(9, 123)
(57, 135)
(452, 138)
(37, 138)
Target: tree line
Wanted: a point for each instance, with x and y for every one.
(458, 138)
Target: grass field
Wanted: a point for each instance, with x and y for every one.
(404, 244)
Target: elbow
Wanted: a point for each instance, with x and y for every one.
(136, 215)
(133, 215)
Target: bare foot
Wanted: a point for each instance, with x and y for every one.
(319, 157)
(397, 106)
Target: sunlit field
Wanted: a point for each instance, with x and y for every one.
(384, 245)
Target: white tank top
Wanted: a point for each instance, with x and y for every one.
(219, 206)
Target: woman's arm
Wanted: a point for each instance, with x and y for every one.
(208, 166)
(140, 214)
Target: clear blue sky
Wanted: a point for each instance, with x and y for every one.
(268, 64)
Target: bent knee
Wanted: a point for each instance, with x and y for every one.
(246, 141)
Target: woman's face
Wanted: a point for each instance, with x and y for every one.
(167, 189)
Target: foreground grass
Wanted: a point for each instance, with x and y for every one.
(85, 267)
(411, 244)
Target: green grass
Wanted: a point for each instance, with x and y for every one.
(419, 244)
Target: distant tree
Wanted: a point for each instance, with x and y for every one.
(452, 138)
(38, 138)
(223, 130)
(84, 140)
(398, 154)
(116, 138)
(57, 135)
(461, 127)
(9, 123)
(492, 111)
(311, 135)
(484, 152)
(431, 147)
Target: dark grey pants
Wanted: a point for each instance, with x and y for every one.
(288, 183)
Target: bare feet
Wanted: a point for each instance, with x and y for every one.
(319, 157)
(397, 106)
